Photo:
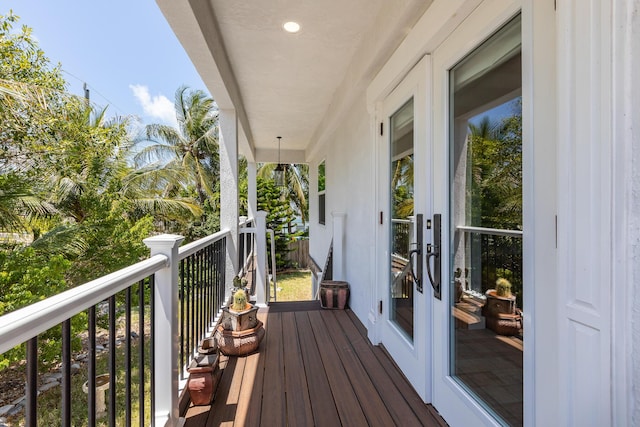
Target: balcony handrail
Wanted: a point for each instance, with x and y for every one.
(490, 231)
(401, 221)
(193, 247)
(244, 220)
(23, 324)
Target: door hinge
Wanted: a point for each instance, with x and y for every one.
(381, 128)
(555, 4)
(380, 307)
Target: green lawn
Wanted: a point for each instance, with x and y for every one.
(294, 286)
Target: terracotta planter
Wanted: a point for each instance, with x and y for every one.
(239, 343)
(201, 385)
(239, 320)
(334, 294)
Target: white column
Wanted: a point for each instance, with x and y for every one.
(339, 261)
(229, 213)
(165, 322)
(252, 190)
(262, 293)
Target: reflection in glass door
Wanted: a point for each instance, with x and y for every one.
(486, 224)
(402, 229)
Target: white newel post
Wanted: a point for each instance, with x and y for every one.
(229, 212)
(262, 291)
(339, 263)
(165, 322)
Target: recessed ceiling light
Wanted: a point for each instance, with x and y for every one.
(291, 27)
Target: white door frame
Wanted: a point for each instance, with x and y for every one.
(413, 358)
(451, 400)
(542, 404)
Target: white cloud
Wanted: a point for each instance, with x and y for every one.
(158, 107)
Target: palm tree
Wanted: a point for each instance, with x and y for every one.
(186, 156)
(296, 178)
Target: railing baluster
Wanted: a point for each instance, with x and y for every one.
(141, 352)
(127, 357)
(193, 308)
(112, 361)
(210, 284)
(31, 407)
(66, 373)
(196, 289)
(152, 339)
(91, 368)
(189, 315)
(183, 320)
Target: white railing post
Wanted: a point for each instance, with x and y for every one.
(339, 219)
(262, 282)
(229, 212)
(166, 330)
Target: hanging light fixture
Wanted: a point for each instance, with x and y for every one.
(278, 173)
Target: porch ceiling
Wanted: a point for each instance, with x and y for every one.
(285, 84)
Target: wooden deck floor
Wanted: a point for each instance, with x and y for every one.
(314, 368)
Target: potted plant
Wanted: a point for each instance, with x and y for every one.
(239, 331)
(240, 314)
(500, 311)
(240, 283)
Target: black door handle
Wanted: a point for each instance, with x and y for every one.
(417, 275)
(433, 251)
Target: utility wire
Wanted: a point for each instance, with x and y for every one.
(120, 110)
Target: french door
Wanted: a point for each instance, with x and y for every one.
(478, 336)
(404, 149)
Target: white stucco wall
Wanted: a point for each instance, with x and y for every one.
(632, 15)
(349, 190)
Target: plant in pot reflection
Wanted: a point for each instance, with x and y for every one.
(500, 309)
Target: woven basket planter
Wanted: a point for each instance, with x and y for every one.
(334, 294)
(239, 343)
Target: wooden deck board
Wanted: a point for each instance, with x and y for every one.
(372, 405)
(399, 409)
(273, 396)
(322, 404)
(314, 367)
(296, 390)
(344, 396)
(255, 385)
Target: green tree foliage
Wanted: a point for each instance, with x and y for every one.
(495, 151)
(31, 95)
(25, 278)
(273, 200)
(186, 157)
(296, 178)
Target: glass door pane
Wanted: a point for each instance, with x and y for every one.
(486, 224)
(402, 230)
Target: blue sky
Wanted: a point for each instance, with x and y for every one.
(123, 49)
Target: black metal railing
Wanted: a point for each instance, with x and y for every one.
(93, 331)
(202, 294)
(492, 254)
(107, 344)
(401, 237)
